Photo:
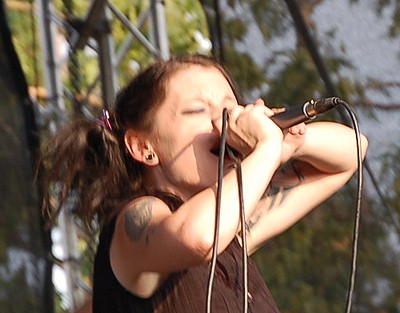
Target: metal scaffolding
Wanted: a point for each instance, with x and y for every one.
(95, 26)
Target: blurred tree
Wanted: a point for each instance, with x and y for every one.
(394, 7)
(307, 268)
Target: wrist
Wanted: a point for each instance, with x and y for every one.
(271, 149)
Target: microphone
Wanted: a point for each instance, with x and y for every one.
(302, 113)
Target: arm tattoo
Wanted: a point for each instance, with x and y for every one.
(137, 220)
(276, 192)
(297, 171)
(272, 197)
(286, 181)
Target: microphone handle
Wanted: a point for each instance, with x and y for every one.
(291, 117)
(302, 113)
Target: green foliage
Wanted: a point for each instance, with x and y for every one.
(390, 171)
(296, 80)
(308, 267)
(185, 19)
(243, 69)
(310, 262)
(23, 29)
(234, 29)
(271, 17)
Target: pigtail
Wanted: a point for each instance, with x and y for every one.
(85, 164)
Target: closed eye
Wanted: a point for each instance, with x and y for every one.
(194, 111)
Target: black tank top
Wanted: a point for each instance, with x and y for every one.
(185, 291)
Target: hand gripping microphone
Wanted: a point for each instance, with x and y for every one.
(302, 113)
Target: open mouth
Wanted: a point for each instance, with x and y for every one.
(216, 150)
(229, 151)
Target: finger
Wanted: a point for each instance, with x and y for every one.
(299, 129)
(268, 111)
(303, 129)
(260, 102)
(248, 107)
(278, 110)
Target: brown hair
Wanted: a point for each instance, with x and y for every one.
(89, 163)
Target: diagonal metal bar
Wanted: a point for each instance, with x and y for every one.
(87, 29)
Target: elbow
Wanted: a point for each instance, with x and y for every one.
(199, 242)
(205, 246)
(364, 146)
(354, 164)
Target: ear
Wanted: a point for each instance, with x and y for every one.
(140, 148)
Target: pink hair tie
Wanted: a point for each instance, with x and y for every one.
(105, 120)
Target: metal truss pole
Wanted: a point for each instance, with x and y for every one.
(56, 111)
(51, 64)
(159, 28)
(97, 24)
(107, 60)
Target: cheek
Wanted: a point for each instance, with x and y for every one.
(171, 146)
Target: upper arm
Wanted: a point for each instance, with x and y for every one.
(133, 231)
(146, 247)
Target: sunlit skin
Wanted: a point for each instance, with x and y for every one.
(187, 130)
(187, 137)
(160, 218)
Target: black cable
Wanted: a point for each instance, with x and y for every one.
(244, 238)
(223, 147)
(243, 219)
(217, 210)
(358, 207)
(242, 229)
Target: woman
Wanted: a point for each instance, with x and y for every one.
(148, 174)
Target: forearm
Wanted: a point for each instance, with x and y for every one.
(326, 161)
(199, 212)
(330, 147)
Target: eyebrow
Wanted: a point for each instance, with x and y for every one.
(229, 98)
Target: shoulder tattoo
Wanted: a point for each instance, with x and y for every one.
(137, 219)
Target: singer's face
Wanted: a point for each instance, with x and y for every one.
(185, 140)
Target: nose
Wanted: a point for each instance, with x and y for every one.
(216, 112)
(218, 117)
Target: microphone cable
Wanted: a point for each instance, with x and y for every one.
(356, 230)
(217, 211)
(242, 227)
(224, 147)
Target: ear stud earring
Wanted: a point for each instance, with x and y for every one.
(150, 156)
